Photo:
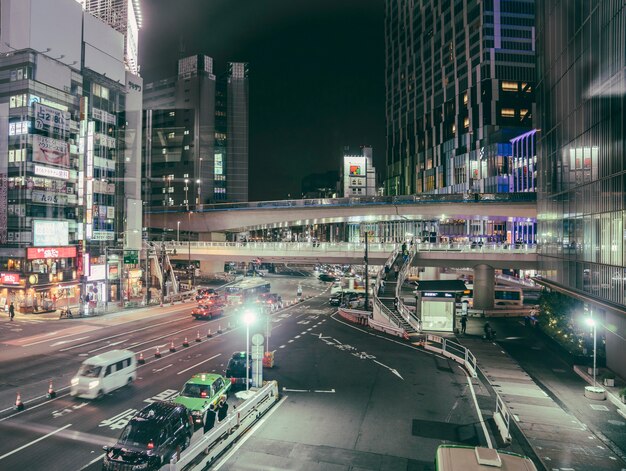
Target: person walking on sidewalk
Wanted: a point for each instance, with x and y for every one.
(463, 324)
(488, 331)
(395, 271)
(11, 312)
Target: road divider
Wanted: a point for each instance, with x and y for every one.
(205, 448)
(19, 405)
(51, 392)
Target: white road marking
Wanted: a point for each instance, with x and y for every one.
(289, 341)
(197, 364)
(480, 415)
(394, 371)
(282, 346)
(112, 344)
(95, 460)
(63, 342)
(34, 441)
(297, 337)
(158, 370)
(295, 390)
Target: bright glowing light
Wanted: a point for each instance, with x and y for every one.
(590, 322)
(249, 316)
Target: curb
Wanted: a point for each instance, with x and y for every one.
(611, 396)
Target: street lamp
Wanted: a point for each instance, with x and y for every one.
(249, 316)
(178, 231)
(592, 323)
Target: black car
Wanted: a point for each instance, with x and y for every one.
(151, 438)
(236, 369)
(335, 299)
(326, 277)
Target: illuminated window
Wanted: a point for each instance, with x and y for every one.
(454, 129)
(509, 86)
(187, 147)
(507, 113)
(465, 99)
(186, 132)
(523, 113)
(172, 113)
(466, 122)
(171, 135)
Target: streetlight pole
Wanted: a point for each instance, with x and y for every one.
(178, 232)
(592, 323)
(248, 318)
(366, 259)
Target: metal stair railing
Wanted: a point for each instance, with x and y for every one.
(407, 315)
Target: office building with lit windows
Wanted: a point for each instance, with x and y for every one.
(70, 157)
(581, 176)
(460, 79)
(196, 128)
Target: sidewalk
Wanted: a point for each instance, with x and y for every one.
(546, 399)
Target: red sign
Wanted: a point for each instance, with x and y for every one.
(33, 253)
(9, 278)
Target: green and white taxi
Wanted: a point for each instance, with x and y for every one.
(202, 390)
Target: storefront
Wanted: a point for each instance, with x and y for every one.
(436, 304)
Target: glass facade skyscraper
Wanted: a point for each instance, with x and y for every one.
(581, 159)
(460, 84)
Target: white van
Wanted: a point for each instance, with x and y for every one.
(104, 373)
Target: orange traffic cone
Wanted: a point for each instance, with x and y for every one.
(172, 347)
(209, 334)
(157, 353)
(198, 339)
(141, 359)
(19, 405)
(186, 342)
(51, 393)
(219, 329)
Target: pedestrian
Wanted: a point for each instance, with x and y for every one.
(386, 271)
(222, 410)
(463, 324)
(488, 331)
(403, 247)
(11, 311)
(395, 303)
(209, 421)
(35, 304)
(395, 271)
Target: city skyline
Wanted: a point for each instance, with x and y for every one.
(316, 83)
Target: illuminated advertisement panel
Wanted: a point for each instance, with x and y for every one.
(50, 151)
(50, 233)
(47, 118)
(52, 172)
(10, 279)
(34, 253)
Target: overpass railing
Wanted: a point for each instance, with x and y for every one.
(403, 310)
(454, 198)
(356, 247)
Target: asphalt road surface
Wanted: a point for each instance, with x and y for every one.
(351, 399)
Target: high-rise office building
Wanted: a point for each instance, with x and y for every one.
(460, 78)
(70, 153)
(197, 135)
(123, 16)
(581, 200)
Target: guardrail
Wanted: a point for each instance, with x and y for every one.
(454, 351)
(502, 418)
(322, 247)
(216, 441)
(363, 200)
(408, 315)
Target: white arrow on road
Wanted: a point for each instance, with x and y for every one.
(395, 372)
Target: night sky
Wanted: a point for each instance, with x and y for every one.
(316, 76)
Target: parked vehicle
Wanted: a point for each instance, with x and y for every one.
(326, 278)
(202, 390)
(236, 369)
(104, 373)
(204, 293)
(151, 438)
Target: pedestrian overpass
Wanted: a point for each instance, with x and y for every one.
(213, 255)
(236, 217)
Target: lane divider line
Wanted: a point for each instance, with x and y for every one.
(480, 415)
(197, 364)
(34, 441)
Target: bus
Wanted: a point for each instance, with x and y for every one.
(246, 290)
(469, 458)
(503, 295)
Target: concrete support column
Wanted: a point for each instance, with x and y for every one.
(208, 267)
(484, 282)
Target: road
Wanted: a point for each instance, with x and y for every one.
(348, 395)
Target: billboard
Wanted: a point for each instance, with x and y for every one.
(33, 253)
(51, 119)
(50, 233)
(50, 151)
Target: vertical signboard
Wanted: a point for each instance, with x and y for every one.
(4, 180)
